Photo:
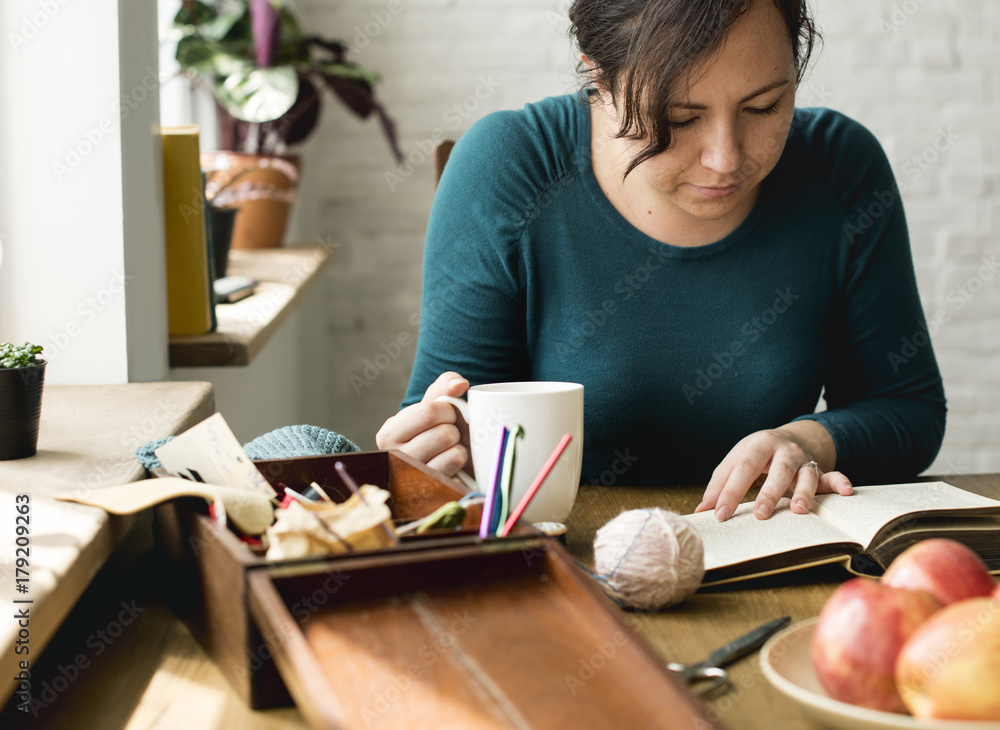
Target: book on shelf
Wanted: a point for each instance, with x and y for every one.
(209, 255)
(864, 531)
(190, 303)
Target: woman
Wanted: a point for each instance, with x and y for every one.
(704, 258)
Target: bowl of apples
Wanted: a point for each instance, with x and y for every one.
(917, 648)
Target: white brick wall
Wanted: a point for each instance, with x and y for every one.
(924, 75)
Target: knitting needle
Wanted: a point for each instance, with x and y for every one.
(523, 504)
(333, 532)
(484, 523)
(468, 481)
(299, 497)
(496, 516)
(319, 490)
(508, 471)
(353, 486)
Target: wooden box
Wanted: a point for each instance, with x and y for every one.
(440, 631)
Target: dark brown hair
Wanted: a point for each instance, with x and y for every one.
(641, 50)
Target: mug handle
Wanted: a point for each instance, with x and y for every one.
(463, 408)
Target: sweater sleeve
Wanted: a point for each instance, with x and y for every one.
(885, 398)
(472, 308)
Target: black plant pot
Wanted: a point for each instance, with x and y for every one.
(20, 409)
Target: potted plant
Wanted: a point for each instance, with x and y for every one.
(266, 76)
(22, 374)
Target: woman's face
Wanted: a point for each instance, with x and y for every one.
(731, 127)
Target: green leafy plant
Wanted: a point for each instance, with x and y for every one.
(19, 356)
(266, 74)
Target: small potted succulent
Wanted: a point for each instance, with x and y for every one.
(22, 374)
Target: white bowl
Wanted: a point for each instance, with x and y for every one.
(786, 664)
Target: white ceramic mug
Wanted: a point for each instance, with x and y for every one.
(545, 411)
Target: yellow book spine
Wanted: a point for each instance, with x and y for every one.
(189, 308)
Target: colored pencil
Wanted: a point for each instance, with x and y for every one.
(353, 486)
(508, 472)
(491, 485)
(526, 499)
(496, 514)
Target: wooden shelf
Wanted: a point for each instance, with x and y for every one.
(285, 275)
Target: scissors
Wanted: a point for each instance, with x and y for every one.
(708, 674)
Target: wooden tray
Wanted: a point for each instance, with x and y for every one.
(507, 634)
(205, 568)
(446, 631)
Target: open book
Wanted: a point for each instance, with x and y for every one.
(865, 531)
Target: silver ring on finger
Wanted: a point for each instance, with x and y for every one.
(810, 465)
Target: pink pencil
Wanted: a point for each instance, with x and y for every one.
(523, 504)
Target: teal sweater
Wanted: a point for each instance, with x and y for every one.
(531, 274)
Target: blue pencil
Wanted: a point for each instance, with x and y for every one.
(487, 518)
(496, 513)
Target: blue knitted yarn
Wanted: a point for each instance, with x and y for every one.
(145, 453)
(291, 441)
(282, 443)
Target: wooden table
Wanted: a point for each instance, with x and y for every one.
(155, 675)
(87, 439)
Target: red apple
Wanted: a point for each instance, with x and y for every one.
(950, 667)
(946, 569)
(859, 633)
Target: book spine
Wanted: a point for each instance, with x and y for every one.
(210, 250)
(190, 309)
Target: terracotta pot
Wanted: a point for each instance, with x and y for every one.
(263, 186)
(20, 410)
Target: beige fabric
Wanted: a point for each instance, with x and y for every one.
(251, 512)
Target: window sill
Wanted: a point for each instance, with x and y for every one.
(246, 326)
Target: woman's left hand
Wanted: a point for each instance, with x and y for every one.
(796, 458)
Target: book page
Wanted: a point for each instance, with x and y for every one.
(744, 537)
(209, 453)
(978, 533)
(870, 508)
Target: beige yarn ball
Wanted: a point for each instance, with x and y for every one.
(649, 558)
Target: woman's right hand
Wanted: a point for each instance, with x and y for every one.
(430, 431)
